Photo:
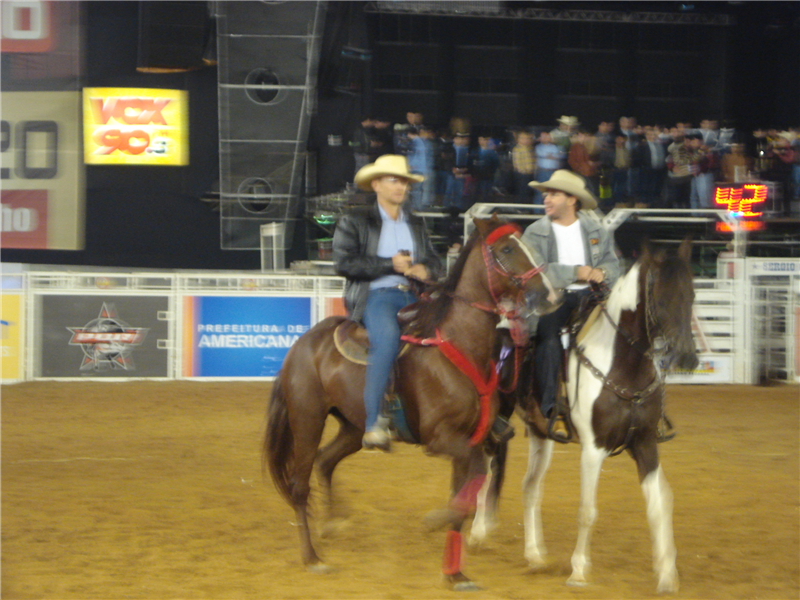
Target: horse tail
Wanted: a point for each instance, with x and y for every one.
(278, 450)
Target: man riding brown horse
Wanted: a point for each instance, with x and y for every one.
(379, 249)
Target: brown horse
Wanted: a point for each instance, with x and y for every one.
(616, 393)
(442, 403)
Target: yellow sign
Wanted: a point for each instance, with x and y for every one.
(135, 126)
(11, 337)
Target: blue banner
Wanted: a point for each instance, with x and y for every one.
(228, 336)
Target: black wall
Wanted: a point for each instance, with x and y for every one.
(153, 217)
(500, 71)
(148, 217)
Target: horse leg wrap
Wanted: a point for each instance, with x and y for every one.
(451, 565)
(466, 499)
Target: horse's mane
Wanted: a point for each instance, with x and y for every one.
(625, 293)
(439, 297)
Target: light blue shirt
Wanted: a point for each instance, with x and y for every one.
(420, 160)
(548, 156)
(395, 236)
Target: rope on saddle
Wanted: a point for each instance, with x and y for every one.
(485, 387)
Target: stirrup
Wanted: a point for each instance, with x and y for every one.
(551, 422)
(666, 431)
(501, 430)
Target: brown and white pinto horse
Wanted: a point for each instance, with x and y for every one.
(616, 393)
(442, 402)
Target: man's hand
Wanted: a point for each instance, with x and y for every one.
(417, 271)
(401, 262)
(586, 273)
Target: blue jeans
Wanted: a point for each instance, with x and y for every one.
(549, 351)
(380, 319)
(700, 194)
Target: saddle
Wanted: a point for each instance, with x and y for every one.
(577, 327)
(351, 341)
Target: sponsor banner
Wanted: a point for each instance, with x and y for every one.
(797, 344)
(135, 126)
(102, 336)
(712, 369)
(43, 176)
(11, 348)
(24, 214)
(778, 266)
(229, 336)
(28, 26)
(12, 277)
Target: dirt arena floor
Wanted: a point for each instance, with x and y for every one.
(153, 490)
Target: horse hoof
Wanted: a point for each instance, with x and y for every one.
(466, 586)
(538, 565)
(577, 582)
(668, 585)
(460, 583)
(319, 568)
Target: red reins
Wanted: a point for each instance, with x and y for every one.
(485, 387)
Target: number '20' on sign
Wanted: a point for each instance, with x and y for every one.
(27, 155)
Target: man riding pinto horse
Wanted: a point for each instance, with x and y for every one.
(578, 251)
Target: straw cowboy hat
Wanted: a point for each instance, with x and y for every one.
(571, 121)
(569, 183)
(386, 165)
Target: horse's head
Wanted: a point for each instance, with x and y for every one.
(670, 292)
(512, 269)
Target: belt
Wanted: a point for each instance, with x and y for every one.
(402, 287)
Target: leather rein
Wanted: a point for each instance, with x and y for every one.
(633, 396)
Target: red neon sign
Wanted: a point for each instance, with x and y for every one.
(740, 199)
(742, 226)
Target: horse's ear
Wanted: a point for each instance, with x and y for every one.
(685, 250)
(485, 225)
(645, 251)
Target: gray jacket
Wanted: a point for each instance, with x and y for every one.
(597, 241)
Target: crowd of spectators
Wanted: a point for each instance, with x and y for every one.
(625, 163)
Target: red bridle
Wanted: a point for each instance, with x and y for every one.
(494, 265)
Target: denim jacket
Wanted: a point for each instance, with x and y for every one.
(597, 241)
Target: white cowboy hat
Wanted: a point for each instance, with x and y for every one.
(388, 164)
(571, 121)
(569, 183)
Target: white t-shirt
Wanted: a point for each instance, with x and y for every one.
(571, 250)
